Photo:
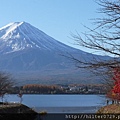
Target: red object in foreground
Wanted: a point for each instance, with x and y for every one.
(116, 88)
(114, 93)
(116, 78)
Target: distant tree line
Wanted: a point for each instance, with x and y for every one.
(59, 89)
(41, 89)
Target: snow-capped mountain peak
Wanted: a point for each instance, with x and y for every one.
(21, 35)
(30, 54)
(9, 29)
(15, 24)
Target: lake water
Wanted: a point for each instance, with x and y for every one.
(61, 103)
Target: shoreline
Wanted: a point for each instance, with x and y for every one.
(83, 109)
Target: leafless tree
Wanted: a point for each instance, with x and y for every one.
(6, 83)
(105, 38)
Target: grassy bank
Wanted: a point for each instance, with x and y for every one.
(112, 109)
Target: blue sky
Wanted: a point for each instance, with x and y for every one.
(57, 18)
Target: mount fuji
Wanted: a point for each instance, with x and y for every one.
(19, 36)
(34, 57)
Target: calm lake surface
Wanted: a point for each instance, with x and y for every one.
(61, 103)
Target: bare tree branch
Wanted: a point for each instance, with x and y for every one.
(105, 38)
(5, 83)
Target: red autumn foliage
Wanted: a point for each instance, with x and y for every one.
(114, 93)
(116, 77)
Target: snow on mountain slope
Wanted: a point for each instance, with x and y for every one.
(27, 50)
(21, 35)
